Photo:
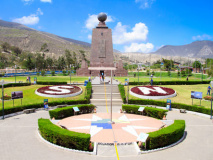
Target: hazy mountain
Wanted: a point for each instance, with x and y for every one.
(197, 49)
(31, 40)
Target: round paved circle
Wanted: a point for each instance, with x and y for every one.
(59, 91)
(152, 92)
(126, 127)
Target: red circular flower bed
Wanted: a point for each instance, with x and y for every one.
(153, 91)
(74, 89)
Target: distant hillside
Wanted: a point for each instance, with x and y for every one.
(31, 40)
(197, 49)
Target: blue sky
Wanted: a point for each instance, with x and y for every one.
(137, 25)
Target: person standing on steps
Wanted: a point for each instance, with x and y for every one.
(208, 90)
(151, 82)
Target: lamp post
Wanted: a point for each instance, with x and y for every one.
(2, 81)
(211, 99)
(15, 73)
(70, 73)
(202, 74)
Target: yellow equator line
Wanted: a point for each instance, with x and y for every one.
(116, 151)
(105, 96)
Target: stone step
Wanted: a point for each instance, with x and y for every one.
(102, 102)
(108, 96)
(103, 90)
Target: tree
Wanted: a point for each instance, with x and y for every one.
(5, 46)
(168, 64)
(196, 64)
(3, 60)
(44, 48)
(68, 57)
(16, 50)
(28, 63)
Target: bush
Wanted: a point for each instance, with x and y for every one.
(60, 113)
(166, 136)
(63, 137)
(53, 73)
(40, 105)
(147, 72)
(6, 97)
(122, 92)
(153, 73)
(178, 74)
(169, 73)
(15, 85)
(37, 73)
(171, 82)
(207, 98)
(183, 73)
(64, 72)
(50, 83)
(193, 108)
(43, 73)
(88, 92)
(148, 111)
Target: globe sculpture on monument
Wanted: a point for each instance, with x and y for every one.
(101, 56)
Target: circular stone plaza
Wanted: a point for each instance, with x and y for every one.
(103, 119)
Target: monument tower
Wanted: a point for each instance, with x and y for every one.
(102, 52)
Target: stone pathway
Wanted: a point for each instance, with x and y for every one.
(19, 141)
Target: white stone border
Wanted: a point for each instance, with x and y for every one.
(159, 149)
(152, 97)
(59, 96)
(68, 149)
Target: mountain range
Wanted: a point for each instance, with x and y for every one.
(31, 40)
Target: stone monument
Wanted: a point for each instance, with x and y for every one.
(102, 51)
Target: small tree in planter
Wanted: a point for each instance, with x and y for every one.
(64, 72)
(53, 73)
(43, 73)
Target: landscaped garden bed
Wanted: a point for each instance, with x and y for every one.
(152, 92)
(59, 91)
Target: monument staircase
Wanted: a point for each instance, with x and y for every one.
(101, 95)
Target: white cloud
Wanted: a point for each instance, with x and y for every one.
(48, 1)
(121, 36)
(202, 37)
(90, 36)
(31, 19)
(27, 1)
(92, 21)
(39, 12)
(27, 20)
(145, 3)
(142, 47)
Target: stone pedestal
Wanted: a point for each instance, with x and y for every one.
(83, 71)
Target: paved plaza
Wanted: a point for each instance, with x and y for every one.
(126, 127)
(19, 141)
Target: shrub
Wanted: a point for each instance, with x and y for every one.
(122, 92)
(193, 108)
(40, 105)
(63, 137)
(153, 73)
(53, 73)
(183, 73)
(147, 72)
(88, 92)
(60, 113)
(43, 73)
(148, 111)
(172, 82)
(64, 72)
(15, 85)
(207, 98)
(37, 73)
(169, 73)
(50, 83)
(6, 97)
(166, 136)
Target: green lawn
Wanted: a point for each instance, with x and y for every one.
(47, 78)
(31, 98)
(184, 94)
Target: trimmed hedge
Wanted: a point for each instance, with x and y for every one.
(40, 105)
(63, 137)
(193, 108)
(171, 82)
(88, 91)
(15, 85)
(166, 136)
(60, 113)
(122, 92)
(149, 111)
(50, 83)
